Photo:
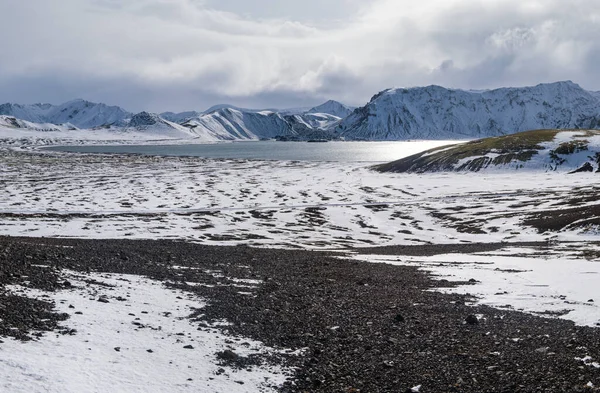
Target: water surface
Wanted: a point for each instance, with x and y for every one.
(271, 150)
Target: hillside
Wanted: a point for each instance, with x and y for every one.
(11, 122)
(153, 124)
(542, 150)
(436, 112)
(243, 124)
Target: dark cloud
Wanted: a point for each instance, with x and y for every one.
(190, 54)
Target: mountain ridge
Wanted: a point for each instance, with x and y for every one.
(429, 112)
(435, 112)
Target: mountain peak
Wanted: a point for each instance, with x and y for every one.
(332, 107)
(145, 119)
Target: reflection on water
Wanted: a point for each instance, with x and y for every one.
(271, 150)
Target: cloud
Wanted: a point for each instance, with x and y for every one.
(156, 48)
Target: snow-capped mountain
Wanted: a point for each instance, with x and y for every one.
(434, 112)
(220, 122)
(431, 112)
(151, 123)
(332, 107)
(81, 113)
(86, 114)
(229, 124)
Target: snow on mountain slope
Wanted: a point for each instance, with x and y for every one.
(81, 113)
(151, 123)
(21, 133)
(538, 150)
(34, 113)
(321, 121)
(230, 124)
(13, 122)
(179, 117)
(220, 122)
(434, 112)
(332, 107)
(85, 114)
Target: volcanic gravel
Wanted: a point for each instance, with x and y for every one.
(363, 327)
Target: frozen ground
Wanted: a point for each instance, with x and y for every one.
(279, 203)
(292, 205)
(547, 281)
(130, 334)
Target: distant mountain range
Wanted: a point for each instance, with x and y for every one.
(80, 113)
(431, 112)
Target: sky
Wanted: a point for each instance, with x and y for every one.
(177, 55)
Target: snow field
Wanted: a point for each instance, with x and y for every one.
(134, 340)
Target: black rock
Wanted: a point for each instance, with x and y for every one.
(188, 347)
(227, 355)
(399, 318)
(587, 167)
(471, 320)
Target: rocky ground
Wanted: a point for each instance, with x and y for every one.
(364, 327)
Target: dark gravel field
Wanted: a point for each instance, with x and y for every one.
(365, 327)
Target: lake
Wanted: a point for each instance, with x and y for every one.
(271, 150)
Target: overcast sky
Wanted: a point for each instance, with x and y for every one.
(180, 55)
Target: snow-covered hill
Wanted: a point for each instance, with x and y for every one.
(538, 150)
(434, 112)
(179, 117)
(81, 113)
(152, 124)
(12, 122)
(86, 114)
(231, 124)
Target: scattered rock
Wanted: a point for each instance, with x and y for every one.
(227, 355)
